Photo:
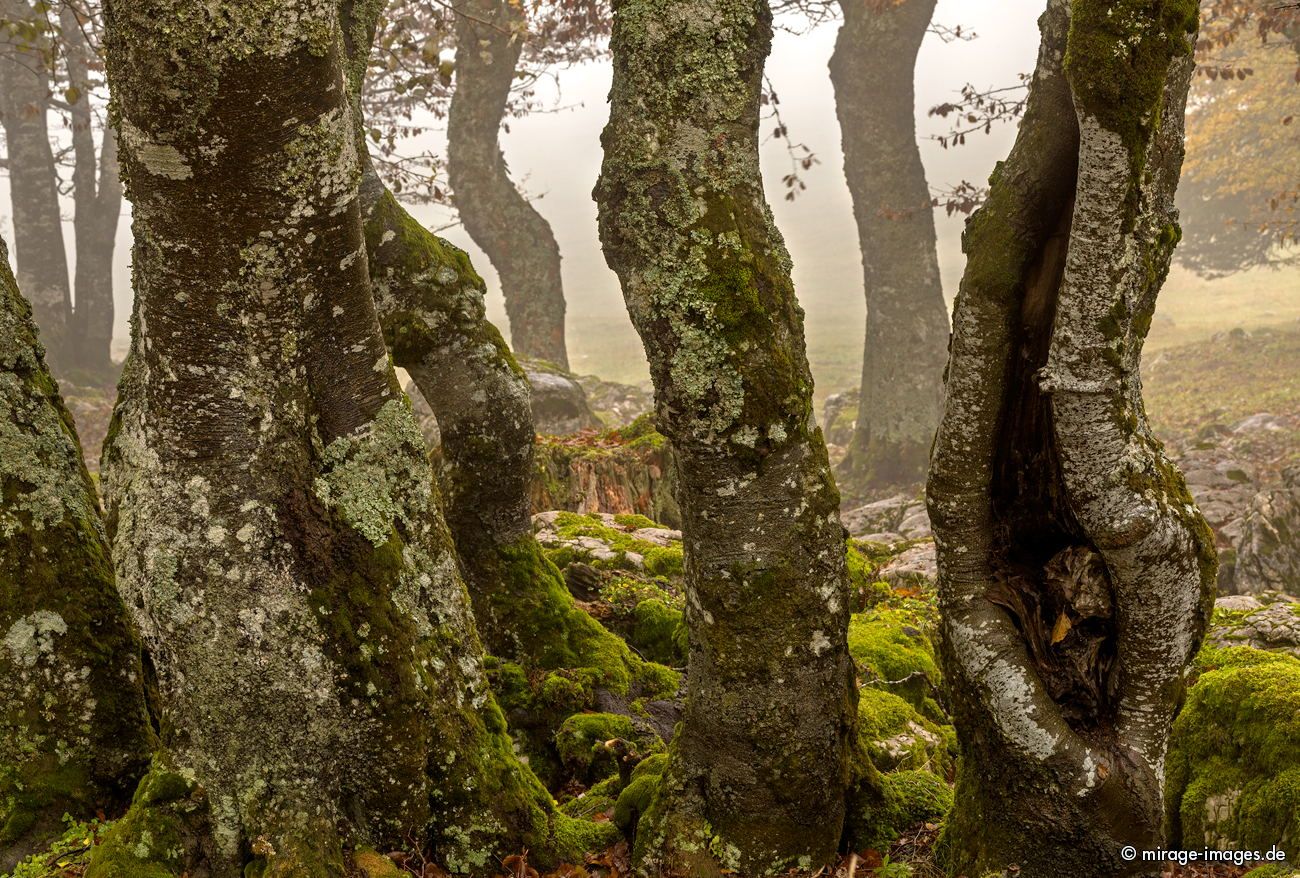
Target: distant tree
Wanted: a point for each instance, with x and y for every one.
(758, 769)
(1076, 576)
(872, 70)
(74, 737)
(50, 67)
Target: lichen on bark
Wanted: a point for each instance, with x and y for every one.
(755, 784)
(277, 528)
(74, 735)
(1045, 471)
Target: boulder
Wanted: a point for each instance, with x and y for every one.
(1268, 550)
(560, 405)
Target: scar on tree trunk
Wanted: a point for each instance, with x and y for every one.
(1076, 575)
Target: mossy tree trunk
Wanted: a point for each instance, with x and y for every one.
(74, 736)
(517, 239)
(97, 199)
(431, 306)
(1076, 575)
(40, 262)
(277, 532)
(761, 761)
(872, 70)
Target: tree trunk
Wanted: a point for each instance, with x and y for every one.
(431, 306)
(1076, 575)
(872, 70)
(760, 764)
(489, 38)
(74, 736)
(98, 205)
(277, 531)
(40, 262)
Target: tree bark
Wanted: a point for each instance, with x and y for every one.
(97, 200)
(517, 239)
(276, 525)
(431, 306)
(872, 70)
(1076, 575)
(756, 781)
(40, 261)
(74, 736)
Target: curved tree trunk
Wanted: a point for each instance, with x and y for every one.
(277, 531)
(1076, 576)
(872, 70)
(489, 38)
(431, 306)
(74, 737)
(756, 780)
(98, 204)
(39, 259)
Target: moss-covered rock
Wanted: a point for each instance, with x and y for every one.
(892, 647)
(897, 737)
(636, 798)
(1234, 759)
(626, 470)
(585, 740)
(906, 799)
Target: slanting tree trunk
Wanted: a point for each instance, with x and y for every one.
(39, 259)
(872, 70)
(277, 531)
(489, 38)
(431, 306)
(97, 200)
(74, 737)
(759, 767)
(1076, 575)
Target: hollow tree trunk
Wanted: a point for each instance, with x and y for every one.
(489, 38)
(97, 199)
(756, 782)
(277, 532)
(74, 736)
(431, 306)
(1076, 575)
(39, 259)
(872, 70)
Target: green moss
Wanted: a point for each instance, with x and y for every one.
(892, 648)
(907, 798)
(1234, 759)
(659, 633)
(635, 800)
(635, 522)
(656, 560)
(895, 735)
(863, 559)
(598, 800)
(581, 739)
(158, 837)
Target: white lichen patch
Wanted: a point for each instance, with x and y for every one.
(33, 636)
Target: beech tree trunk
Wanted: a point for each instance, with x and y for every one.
(1076, 575)
(872, 70)
(74, 736)
(277, 531)
(431, 306)
(97, 199)
(39, 258)
(760, 764)
(489, 39)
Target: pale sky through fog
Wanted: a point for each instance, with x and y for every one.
(556, 154)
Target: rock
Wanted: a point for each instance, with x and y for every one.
(559, 403)
(840, 417)
(917, 566)
(1261, 421)
(1268, 551)
(888, 516)
(617, 404)
(1268, 622)
(609, 473)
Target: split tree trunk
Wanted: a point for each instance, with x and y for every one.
(759, 767)
(517, 239)
(277, 532)
(1076, 575)
(74, 737)
(872, 70)
(40, 261)
(97, 199)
